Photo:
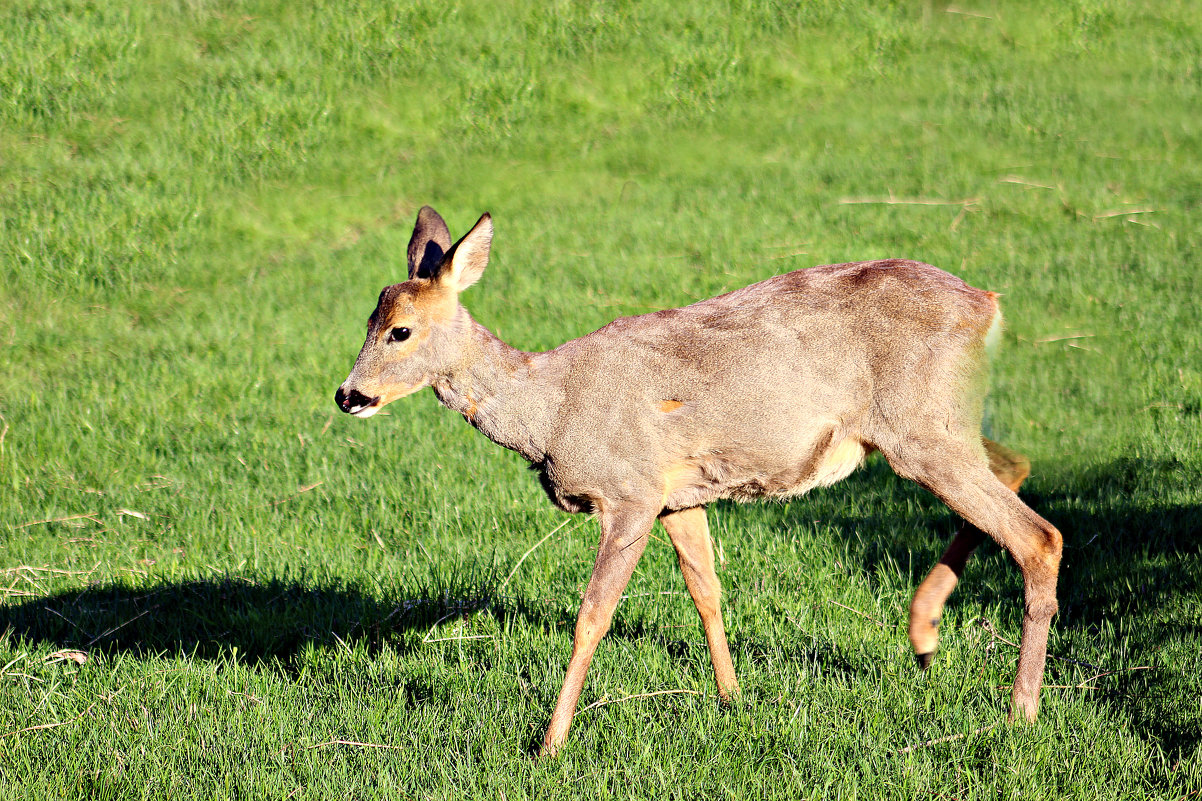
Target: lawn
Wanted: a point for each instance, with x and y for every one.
(215, 585)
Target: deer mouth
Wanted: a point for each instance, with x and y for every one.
(366, 411)
(356, 403)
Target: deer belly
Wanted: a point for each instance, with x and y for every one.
(702, 480)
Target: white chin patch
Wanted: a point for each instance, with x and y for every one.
(365, 411)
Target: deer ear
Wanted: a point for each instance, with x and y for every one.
(466, 261)
(429, 244)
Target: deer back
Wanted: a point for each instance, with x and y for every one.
(773, 388)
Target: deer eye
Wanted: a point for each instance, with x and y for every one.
(398, 335)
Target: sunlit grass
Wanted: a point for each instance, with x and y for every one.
(199, 203)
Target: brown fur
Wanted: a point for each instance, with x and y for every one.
(769, 390)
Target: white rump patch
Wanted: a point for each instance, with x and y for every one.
(993, 337)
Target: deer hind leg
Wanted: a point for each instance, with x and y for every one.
(955, 473)
(690, 535)
(926, 610)
(624, 534)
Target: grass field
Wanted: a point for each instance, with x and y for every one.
(212, 581)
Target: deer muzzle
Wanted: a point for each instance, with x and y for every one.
(356, 403)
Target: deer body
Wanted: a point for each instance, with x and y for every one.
(769, 390)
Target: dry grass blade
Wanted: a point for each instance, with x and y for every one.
(908, 201)
(607, 701)
(461, 637)
(50, 725)
(789, 255)
(1161, 405)
(353, 743)
(13, 661)
(1123, 213)
(880, 623)
(120, 626)
(67, 655)
(86, 516)
(530, 551)
(1085, 684)
(459, 611)
(1097, 676)
(1063, 338)
(156, 482)
(965, 13)
(1017, 179)
(655, 594)
(300, 491)
(32, 576)
(994, 637)
(54, 570)
(947, 739)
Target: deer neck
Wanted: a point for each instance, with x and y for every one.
(499, 390)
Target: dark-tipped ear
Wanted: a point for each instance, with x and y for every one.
(468, 258)
(429, 244)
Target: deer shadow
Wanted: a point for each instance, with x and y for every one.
(270, 623)
(267, 622)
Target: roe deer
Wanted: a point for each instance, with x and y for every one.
(765, 391)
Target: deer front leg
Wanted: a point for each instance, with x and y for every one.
(690, 535)
(926, 610)
(624, 532)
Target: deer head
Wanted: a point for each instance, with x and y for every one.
(418, 328)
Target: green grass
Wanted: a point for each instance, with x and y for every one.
(199, 202)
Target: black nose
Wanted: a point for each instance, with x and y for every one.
(351, 400)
